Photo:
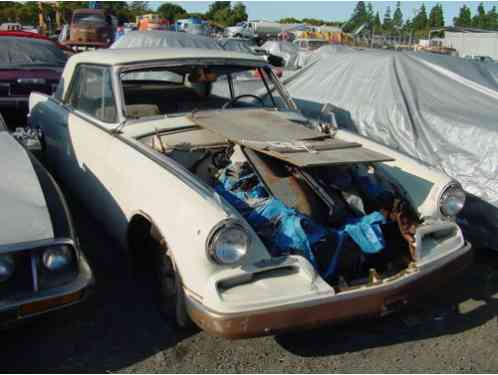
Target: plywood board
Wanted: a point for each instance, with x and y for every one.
(267, 132)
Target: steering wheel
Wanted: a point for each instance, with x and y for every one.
(237, 98)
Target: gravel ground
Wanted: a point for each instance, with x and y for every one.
(119, 330)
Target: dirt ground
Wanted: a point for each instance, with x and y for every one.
(120, 330)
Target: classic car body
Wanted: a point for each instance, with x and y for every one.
(41, 265)
(244, 203)
(90, 28)
(26, 64)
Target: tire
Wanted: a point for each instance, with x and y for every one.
(171, 295)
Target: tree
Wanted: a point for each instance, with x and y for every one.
(492, 19)
(239, 13)
(370, 14)
(216, 7)
(398, 17)
(171, 11)
(464, 18)
(359, 17)
(289, 20)
(376, 24)
(387, 22)
(224, 14)
(480, 19)
(436, 16)
(420, 21)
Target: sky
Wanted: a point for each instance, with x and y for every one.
(332, 10)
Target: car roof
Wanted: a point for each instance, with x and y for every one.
(124, 56)
(127, 56)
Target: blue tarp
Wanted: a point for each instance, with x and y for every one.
(292, 231)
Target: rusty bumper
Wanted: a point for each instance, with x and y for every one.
(378, 301)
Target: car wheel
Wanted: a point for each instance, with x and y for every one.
(171, 295)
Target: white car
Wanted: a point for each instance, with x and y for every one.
(258, 221)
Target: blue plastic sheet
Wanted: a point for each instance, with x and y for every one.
(366, 232)
(293, 231)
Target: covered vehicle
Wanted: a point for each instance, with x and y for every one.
(438, 109)
(294, 56)
(26, 64)
(90, 28)
(41, 265)
(164, 39)
(256, 219)
(310, 44)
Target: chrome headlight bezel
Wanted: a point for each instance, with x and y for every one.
(224, 228)
(452, 194)
(57, 258)
(7, 267)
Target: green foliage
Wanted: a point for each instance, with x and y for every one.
(464, 18)
(387, 23)
(224, 14)
(359, 17)
(309, 21)
(397, 22)
(376, 24)
(171, 11)
(289, 20)
(420, 21)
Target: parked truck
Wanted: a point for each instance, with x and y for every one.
(92, 28)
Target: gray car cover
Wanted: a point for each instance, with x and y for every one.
(439, 109)
(294, 56)
(165, 39)
(24, 216)
(19, 52)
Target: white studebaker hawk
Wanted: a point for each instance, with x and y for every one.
(258, 220)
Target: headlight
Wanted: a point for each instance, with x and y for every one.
(452, 200)
(228, 243)
(57, 258)
(7, 267)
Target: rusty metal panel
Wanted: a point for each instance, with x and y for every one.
(257, 125)
(330, 157)
(265, 131)
(293, 191)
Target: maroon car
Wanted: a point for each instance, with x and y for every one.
(26, 65)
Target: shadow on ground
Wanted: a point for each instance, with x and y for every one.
(465, 303)
(115, 328)
(120, 327)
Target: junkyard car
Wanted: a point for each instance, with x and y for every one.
(26, 64)
(258, 221)
(90, 28)
(41, 265)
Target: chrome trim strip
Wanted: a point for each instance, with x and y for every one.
(23, 246)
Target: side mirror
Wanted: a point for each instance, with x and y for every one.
(327, 120)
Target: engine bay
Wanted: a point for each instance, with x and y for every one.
(349, 221)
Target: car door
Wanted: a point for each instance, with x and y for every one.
(86, 135)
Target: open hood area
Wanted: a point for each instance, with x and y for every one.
(271, 133)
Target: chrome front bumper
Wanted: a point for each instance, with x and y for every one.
(372, 301)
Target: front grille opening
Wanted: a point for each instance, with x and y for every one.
(21, 281)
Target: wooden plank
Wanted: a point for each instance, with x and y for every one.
(256, 125)
(280, 138)
(330, 157)
(301, 146)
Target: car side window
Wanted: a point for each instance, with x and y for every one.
(92, 93)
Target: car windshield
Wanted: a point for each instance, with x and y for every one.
(178, 90)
